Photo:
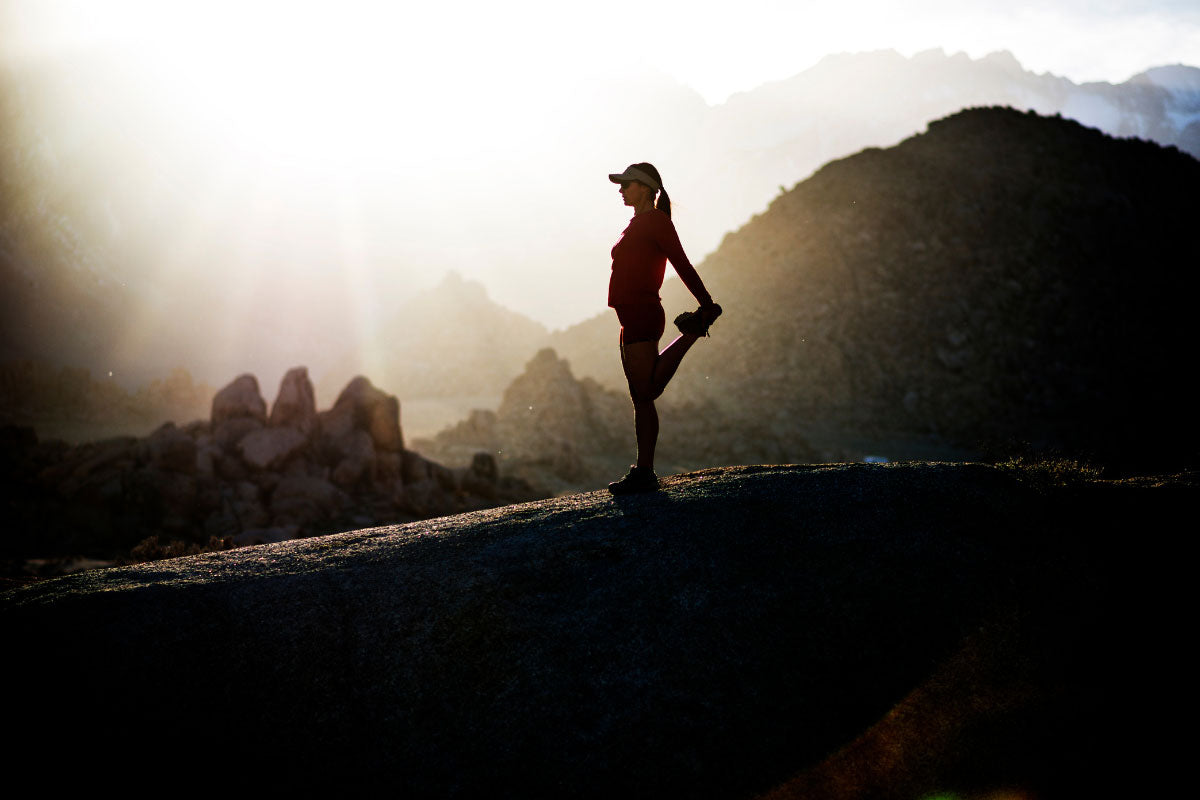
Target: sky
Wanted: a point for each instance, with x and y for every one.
(702, 44)
(289, 108)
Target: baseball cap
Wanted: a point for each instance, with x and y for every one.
(632, 173)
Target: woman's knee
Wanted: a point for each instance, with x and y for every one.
(642, 393)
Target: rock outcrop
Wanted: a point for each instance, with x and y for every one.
(296, 406)
(710, 641)
(567, 433)
(239, 400)
(244, 477)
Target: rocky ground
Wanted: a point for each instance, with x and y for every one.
(846, 631)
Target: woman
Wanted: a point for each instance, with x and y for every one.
(639, 263)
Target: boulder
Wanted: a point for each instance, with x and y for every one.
(207, 456)
(388, 467)
(415, 467)
(82, 460)
(305, 501)
(483, 466)
(240, 509)
(230, 432)
(269, 448)
(482, 476)
(295, 405)
(163, 499)
(230, 468)
(170, 448)
(361, 406)
(358, 460)
(447, 479)
(426, 498)
(240, 398)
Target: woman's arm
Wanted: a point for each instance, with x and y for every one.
(668, 241)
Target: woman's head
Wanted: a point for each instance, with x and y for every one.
(647, 175)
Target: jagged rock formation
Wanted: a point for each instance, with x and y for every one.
(564, 433)
(1003, 280)
(711, 641)
(242, 477)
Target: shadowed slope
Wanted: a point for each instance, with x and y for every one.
(708, 641)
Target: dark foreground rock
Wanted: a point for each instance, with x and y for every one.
(738, 630)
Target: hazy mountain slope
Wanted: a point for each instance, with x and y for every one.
(777, 134)
(449, 341)
(1002, 279)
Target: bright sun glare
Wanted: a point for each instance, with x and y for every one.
(348, 85)
(380, 144)
(282, 80)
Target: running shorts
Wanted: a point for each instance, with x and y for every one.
(642, 322)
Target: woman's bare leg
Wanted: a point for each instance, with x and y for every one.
(668, 361)
(648, 374)
(645, 428)
(639, 360)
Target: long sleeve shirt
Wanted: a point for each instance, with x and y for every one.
(639, 261)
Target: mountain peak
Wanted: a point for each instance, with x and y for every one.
(454, 285)
(1005, 60)
(1172, 77)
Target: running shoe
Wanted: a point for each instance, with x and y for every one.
(693, 323)
(638, 480)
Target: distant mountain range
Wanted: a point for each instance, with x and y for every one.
(763, 140)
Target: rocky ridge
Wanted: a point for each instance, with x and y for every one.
(245, 476)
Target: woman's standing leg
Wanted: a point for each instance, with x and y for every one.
(647, 372)
(640, 360)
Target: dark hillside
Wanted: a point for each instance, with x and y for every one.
(843, 631)
(1005, 281)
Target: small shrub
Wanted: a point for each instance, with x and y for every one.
(152, 549)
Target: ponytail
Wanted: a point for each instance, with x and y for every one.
(664, 203)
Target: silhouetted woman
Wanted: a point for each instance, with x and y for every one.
(639, 263)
